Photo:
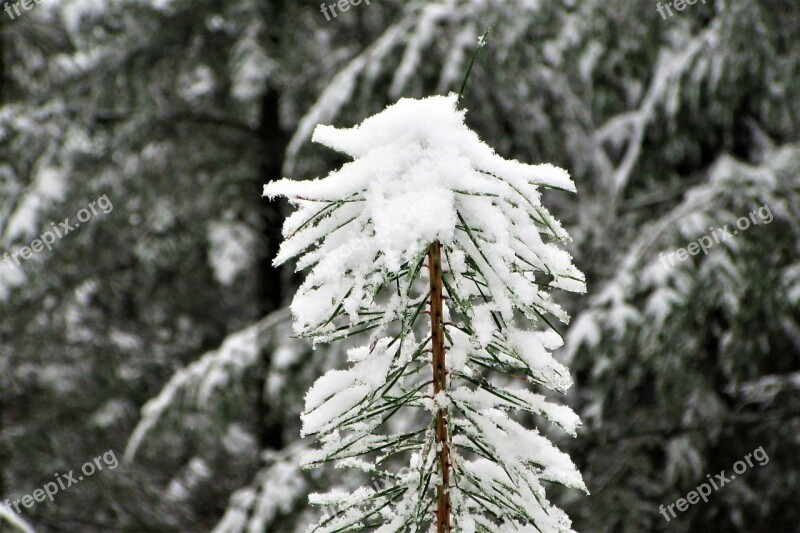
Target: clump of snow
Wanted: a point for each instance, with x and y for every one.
(238, 441)
(197, 83)
(111, 413)
(252, 66)
(230, 253)
(483, 323)
(49, 187)
(76, 12)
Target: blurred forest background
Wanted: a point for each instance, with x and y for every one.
(160, 330)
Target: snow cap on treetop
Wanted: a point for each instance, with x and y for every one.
(410, 162)
(430, 121)
(420, 175)
(435, 127)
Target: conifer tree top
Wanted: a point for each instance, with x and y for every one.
(418, 174)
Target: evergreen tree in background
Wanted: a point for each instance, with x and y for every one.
(424, 197)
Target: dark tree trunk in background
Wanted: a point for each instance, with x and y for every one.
(270, 292)
(274, 141)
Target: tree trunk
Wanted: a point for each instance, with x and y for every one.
(439, 384)
(270, 291)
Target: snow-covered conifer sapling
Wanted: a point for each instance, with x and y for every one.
(437, 256)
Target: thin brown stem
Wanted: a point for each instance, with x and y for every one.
(439, 384)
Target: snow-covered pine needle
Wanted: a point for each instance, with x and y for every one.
(420, 180)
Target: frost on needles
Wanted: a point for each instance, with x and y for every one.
(436, 252)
